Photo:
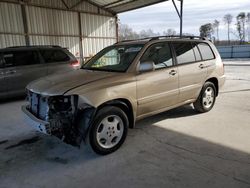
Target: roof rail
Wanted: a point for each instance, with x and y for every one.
(166, 36)
(148, 38)
(177, 36)
(35, 46)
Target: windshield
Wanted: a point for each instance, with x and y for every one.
(114, 58)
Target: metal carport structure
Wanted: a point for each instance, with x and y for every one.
(83, 26)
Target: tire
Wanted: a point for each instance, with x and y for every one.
(206, 99)
(109, 130)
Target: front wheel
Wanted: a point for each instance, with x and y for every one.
(206, 99)
(109, 130)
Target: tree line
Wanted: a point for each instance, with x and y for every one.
(240, 31)
(127, 33)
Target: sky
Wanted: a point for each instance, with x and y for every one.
(162, 16)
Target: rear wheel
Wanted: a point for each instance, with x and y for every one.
(206, 99)
(109, 130)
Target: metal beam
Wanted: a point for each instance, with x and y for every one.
(65, 4)
(176, 9)
(180, 13)
(113, 3)
(134, 8)
(76, 4)
(98, 6)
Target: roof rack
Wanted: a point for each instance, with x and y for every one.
(177, 36)
(36, 46)
(166, 36)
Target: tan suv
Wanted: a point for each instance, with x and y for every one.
(125, 82)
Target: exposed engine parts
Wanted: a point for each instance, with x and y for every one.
(62, 114)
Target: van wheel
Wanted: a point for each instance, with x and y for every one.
(109, 130)
(206, 99)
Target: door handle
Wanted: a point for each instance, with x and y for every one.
(10, 72)
(173, 72)
(201, 66)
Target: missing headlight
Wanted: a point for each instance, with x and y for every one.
(61, 103)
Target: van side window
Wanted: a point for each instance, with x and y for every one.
(196, 52)
(184, 52)
(20, 58)
(160, 54)
(206, 51)
(53, 56)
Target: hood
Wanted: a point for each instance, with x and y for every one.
(59, 84)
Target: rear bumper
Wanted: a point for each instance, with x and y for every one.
(39, 125)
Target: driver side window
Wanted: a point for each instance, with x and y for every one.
(159, 54)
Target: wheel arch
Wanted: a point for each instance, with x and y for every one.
(215, 81)
(123, 104)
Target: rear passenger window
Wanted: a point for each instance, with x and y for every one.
(52, 56)
(160, 54)
(184, 52)
(20, 58)
(206, 51)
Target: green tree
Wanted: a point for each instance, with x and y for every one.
(240, 25)
(126, 33)
(248, 26)
(206, 30)
(169, 32)
(228, 18)
(216, 25)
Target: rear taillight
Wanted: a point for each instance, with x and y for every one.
(75, 63)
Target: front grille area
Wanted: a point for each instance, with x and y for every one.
(38, 105)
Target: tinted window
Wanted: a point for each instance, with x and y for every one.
(196, 52)
(20, 58)
(160, 54)
(51, 56)
(1, 61)
(206, 51)
(184, 52)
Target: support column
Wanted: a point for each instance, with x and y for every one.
(25, 25)
(117, 28)
(80, 37)
(180, 13)
(181, 17)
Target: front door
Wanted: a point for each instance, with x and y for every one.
(157, 89)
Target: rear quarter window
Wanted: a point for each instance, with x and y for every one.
(53, 56)
(206, 51)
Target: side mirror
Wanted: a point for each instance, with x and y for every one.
(146, 66)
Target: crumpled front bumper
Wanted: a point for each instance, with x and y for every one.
(38, 124)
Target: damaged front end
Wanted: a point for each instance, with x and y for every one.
(62, 116)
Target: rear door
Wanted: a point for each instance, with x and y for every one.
(3, 86)
(56, 60)
(191, 69)
(22, 67)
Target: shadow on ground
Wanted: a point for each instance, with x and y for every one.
(152, 156)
